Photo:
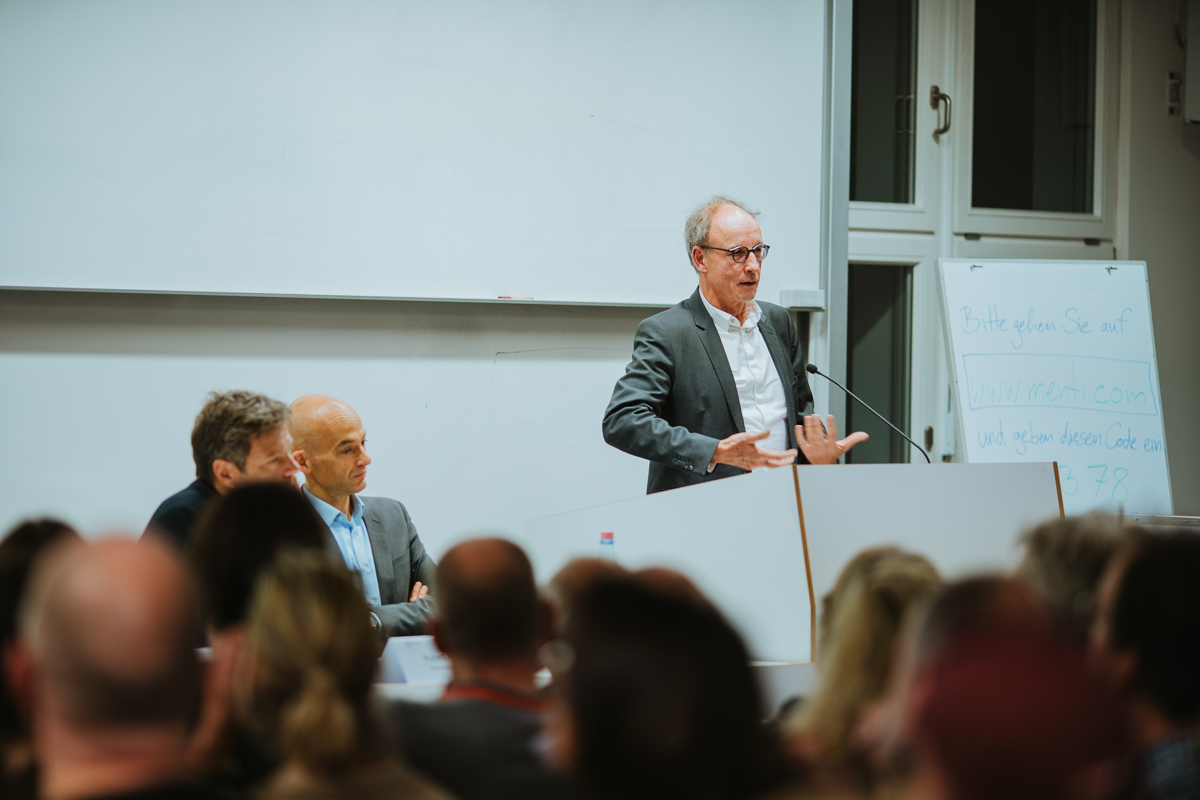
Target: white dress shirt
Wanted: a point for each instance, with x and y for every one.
(760, 391)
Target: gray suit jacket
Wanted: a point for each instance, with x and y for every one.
(400, 561)
(677, 399)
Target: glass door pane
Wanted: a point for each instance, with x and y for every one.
(879, 361)
(883, 104)
(1034, 105)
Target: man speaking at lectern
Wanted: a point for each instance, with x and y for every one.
(717, 382)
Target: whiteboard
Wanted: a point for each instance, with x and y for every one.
(450, 149)
(1054, 361)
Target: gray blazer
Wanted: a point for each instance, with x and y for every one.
(400, 561)
(677, 399)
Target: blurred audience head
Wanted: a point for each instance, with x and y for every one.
(886, 730)
(1004, 712)
(659, 700)
(569, 583)
(310, 661)
(976, 602)
(1064, 561)
(238, 536)
(670, 581)
(488, 609)
(19, 549)
(240, 437)
(106, 634)
(1147, 632)
(860, 625)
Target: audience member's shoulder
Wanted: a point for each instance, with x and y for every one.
(173, 791)
(478, 717)
(386, 780)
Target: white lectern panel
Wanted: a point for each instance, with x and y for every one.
(963, 517)
(739, 539)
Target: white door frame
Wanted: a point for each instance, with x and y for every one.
(930, 385)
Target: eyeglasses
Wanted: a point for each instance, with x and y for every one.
(740, 254)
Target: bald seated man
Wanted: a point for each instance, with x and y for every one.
(104, 661)
(490, 623)
(717, 385)
(375, 535)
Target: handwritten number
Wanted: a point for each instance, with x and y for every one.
(1120, 473)
(1068, 479)
(1119, 492)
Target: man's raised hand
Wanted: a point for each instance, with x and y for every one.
(820, 445)
(741, 450)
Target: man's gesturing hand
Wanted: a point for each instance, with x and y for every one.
(740, 450)
(820, 445)
(419, 590)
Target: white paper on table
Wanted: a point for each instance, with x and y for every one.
(413, 659)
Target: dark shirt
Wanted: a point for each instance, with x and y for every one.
(176, 516)
(20, 784)
(1171, 770)
(476, 735)
(169, 791)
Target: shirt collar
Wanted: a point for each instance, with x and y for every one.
(330, 514)
(728, 321)
(494, 693)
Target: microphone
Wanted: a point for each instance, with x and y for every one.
(812, 370)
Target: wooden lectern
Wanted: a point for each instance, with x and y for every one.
(766, 546)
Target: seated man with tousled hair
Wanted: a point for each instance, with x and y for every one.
(490, 623)
(106, 666)
(239, 437)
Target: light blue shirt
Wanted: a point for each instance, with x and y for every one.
(351, 537)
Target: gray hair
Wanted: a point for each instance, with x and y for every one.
(695, 230)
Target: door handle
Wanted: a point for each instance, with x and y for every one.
(936, 96)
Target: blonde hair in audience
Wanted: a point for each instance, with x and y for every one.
(1065, 559)
(861, 619)
(311, 660)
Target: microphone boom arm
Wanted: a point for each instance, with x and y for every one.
(812, 370)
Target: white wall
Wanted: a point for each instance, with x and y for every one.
(478, 416)
(1160, 223)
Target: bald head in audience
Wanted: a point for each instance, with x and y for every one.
(106, 664)
(490, 621)
(479, 739)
